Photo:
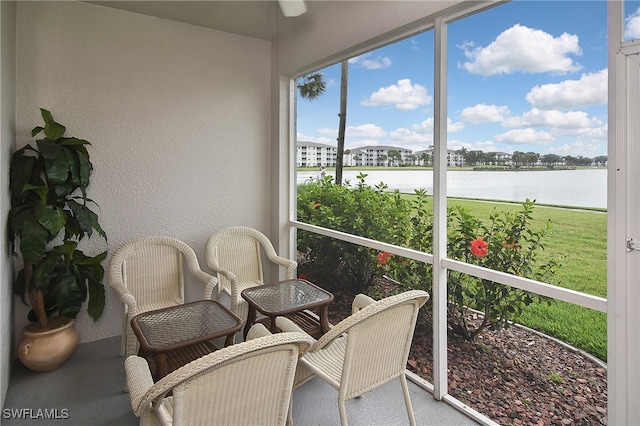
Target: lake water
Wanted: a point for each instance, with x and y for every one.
(583, 187)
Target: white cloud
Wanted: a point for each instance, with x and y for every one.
(553, 118)
(419, 136)
(404, 96)
(595, 134)
(575, 149)
(453, 127)
(366, 62)
(349, 144)
(524, 49)
(632, 26)
(482, 113)
(525, 136)
(427, 126)
(327, 131)
(360, 131)
(365, 131)
(307, 138)
(485, 146)
(405, 136)
(456, 144)
(591, 89)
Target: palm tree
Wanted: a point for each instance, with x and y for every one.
(426, 158)
(463, 152)
(312, 86)
(344, 77)
(395, 157)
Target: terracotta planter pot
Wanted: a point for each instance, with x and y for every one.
(47, 350)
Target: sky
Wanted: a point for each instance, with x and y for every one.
(527, 76)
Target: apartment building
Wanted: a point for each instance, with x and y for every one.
(313, 154)
(425, 157)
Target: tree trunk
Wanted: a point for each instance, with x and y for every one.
(36, 299)
(344, 76)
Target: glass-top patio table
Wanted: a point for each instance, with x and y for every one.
(172, 337)
(291, 299)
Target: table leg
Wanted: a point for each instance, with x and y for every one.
(324, 318)
(272, 322)
(251, 319)
(161, 366)
(229, 340)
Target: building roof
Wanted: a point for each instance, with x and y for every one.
(314, 144)
(382, 147)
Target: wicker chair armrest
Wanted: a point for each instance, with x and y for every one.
(334, 333)
(194, 268)
(361, 301)
(139, 381)
(126, 297)
(227, 274)
(233, 284)
(271, 253)
(115, 281)
(291, 265)
(208, 280)
(256, 331)
(370, 309)
(286, 325)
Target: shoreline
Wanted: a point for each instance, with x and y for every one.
(580, 188)
(455, 169)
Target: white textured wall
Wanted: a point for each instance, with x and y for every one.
(7, 140)
(178, 117)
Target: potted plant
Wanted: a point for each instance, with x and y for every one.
(49, 217)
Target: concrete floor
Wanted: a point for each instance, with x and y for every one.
(89, 390)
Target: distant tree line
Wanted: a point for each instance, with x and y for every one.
(519, 158)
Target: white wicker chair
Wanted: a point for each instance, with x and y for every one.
(148, 274)
(366, 349)
(249, 383)
(235, 254)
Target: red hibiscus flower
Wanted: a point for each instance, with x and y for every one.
(479, 247)
(302, 277)
(384, 257)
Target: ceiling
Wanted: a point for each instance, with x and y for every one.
(260, 19)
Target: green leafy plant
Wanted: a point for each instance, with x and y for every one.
(418, 235)
(507, 243)
(49, 218)
(362, 210)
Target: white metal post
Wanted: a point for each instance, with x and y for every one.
(292, 111)
(623, 264)
(440, 213)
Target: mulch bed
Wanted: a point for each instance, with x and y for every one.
(513, 376)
